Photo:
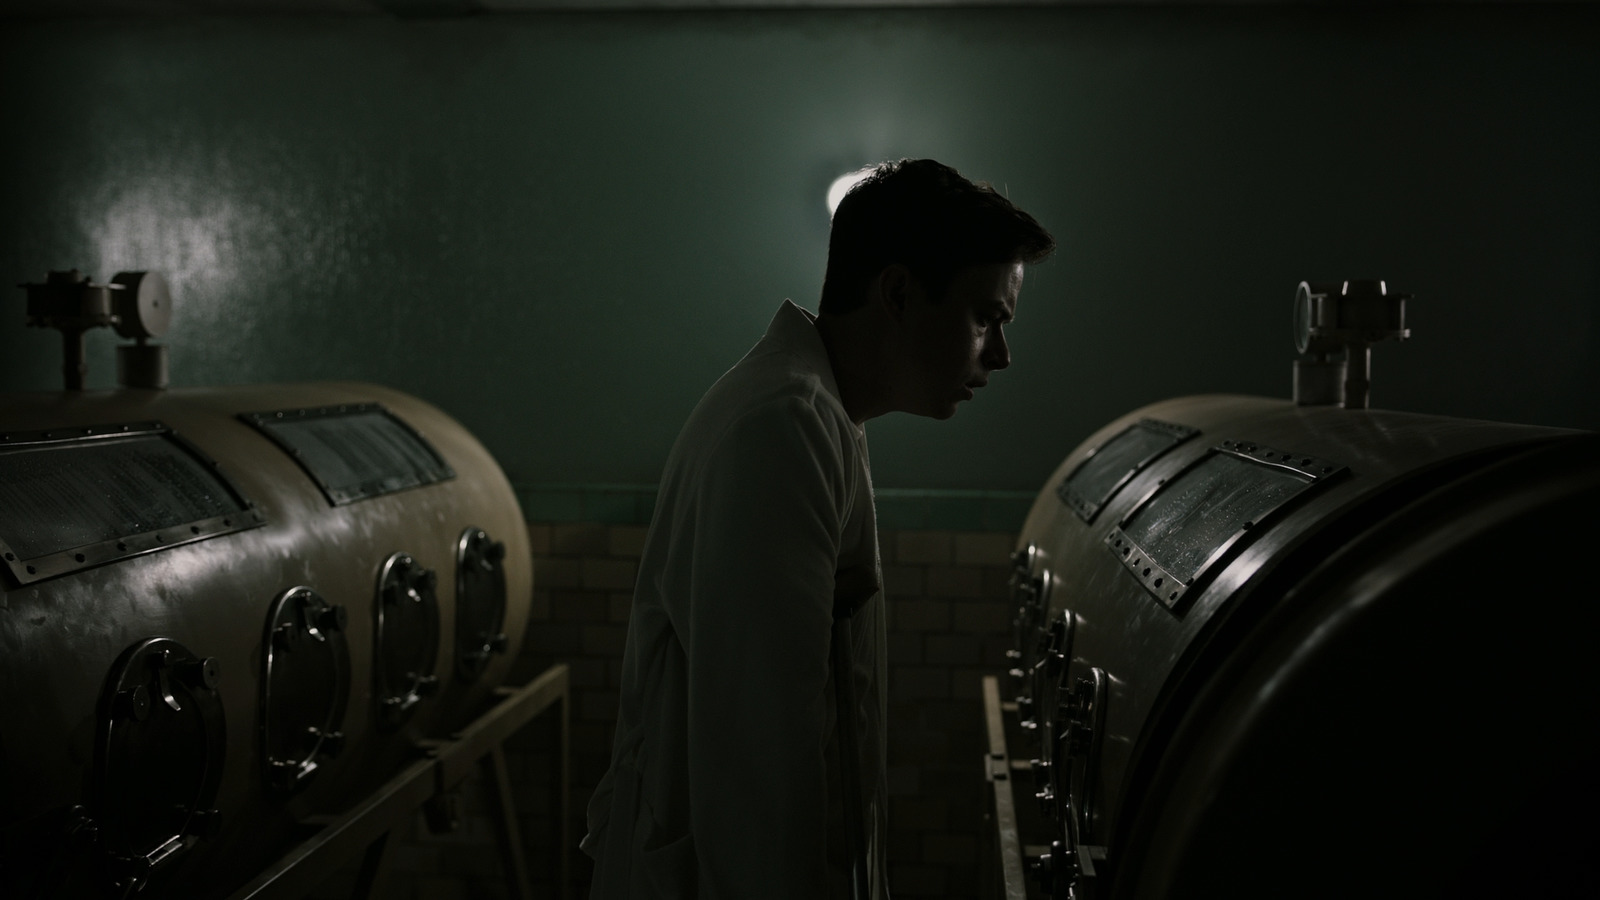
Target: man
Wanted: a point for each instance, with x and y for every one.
(725, 775)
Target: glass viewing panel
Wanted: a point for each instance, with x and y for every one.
(1183, 528)
(354, 452)
(69, 504)
(1114, 463)
(1189, 520)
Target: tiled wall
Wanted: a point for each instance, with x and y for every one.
(949, 625)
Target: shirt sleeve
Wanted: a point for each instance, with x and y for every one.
(775, 492)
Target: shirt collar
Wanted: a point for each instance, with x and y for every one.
(794, 329)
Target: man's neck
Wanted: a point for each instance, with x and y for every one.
(855, 354)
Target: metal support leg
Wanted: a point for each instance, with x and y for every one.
(370, 879)
(505, 821)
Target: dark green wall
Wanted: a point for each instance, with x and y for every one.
(562, 228)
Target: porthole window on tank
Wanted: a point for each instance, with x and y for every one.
(407, 637)
(480, 601)
(158, 760)
(305, 686)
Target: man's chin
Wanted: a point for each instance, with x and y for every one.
(939, 412)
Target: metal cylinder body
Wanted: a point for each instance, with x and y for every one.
(216, 593)
(1314, 651)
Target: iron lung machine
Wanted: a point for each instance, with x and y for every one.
(1279, 649)
(225, 610)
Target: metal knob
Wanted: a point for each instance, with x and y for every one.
(133, 703)
(205, 823)
(333, 618)
(201, 673)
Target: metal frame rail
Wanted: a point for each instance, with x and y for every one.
(997, 769)
(365, 829)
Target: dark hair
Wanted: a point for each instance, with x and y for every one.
(922, 214)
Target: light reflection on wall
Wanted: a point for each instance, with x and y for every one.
(187, 231)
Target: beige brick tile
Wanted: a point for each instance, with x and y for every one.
(554, 572)
(581, 539)
(983, 548)
(626, 541)
(538, 539)
(918, 881)
(903, 782)
(920, 814)
(904, 846)
(904, 581)
(948, 848)
(608, 574)
(954, 581)
(597, 706)
(539, 606)
(592, 737)
(967, 684)
(996, 583)
(558, 640)
(980, 617)
(928, 748)
(962, 718)
(583, 607)
(919, 683)
(994, 650)
(604, 640)
(928, 547)
(920, 615)
(952, 649)
(588, 673)
(619, 607)
(905, 648)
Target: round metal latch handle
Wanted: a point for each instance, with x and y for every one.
(333, 618)
(133, 703)
(203, 673)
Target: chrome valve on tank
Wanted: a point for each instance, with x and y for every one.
(1335, 325)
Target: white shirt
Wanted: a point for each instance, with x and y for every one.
(723, 780)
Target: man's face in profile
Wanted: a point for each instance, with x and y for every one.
(952, 344)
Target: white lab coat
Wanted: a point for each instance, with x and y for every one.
(723, 781)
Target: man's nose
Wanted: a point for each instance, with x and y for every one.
(996, 353)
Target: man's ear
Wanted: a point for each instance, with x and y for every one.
(894, 285)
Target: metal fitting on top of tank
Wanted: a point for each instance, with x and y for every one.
(1335, 324)
(137, 304)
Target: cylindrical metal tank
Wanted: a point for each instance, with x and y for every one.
(1293, 651)
(227, 609)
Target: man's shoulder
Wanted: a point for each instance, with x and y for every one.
(768, 388)
(762, 400)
